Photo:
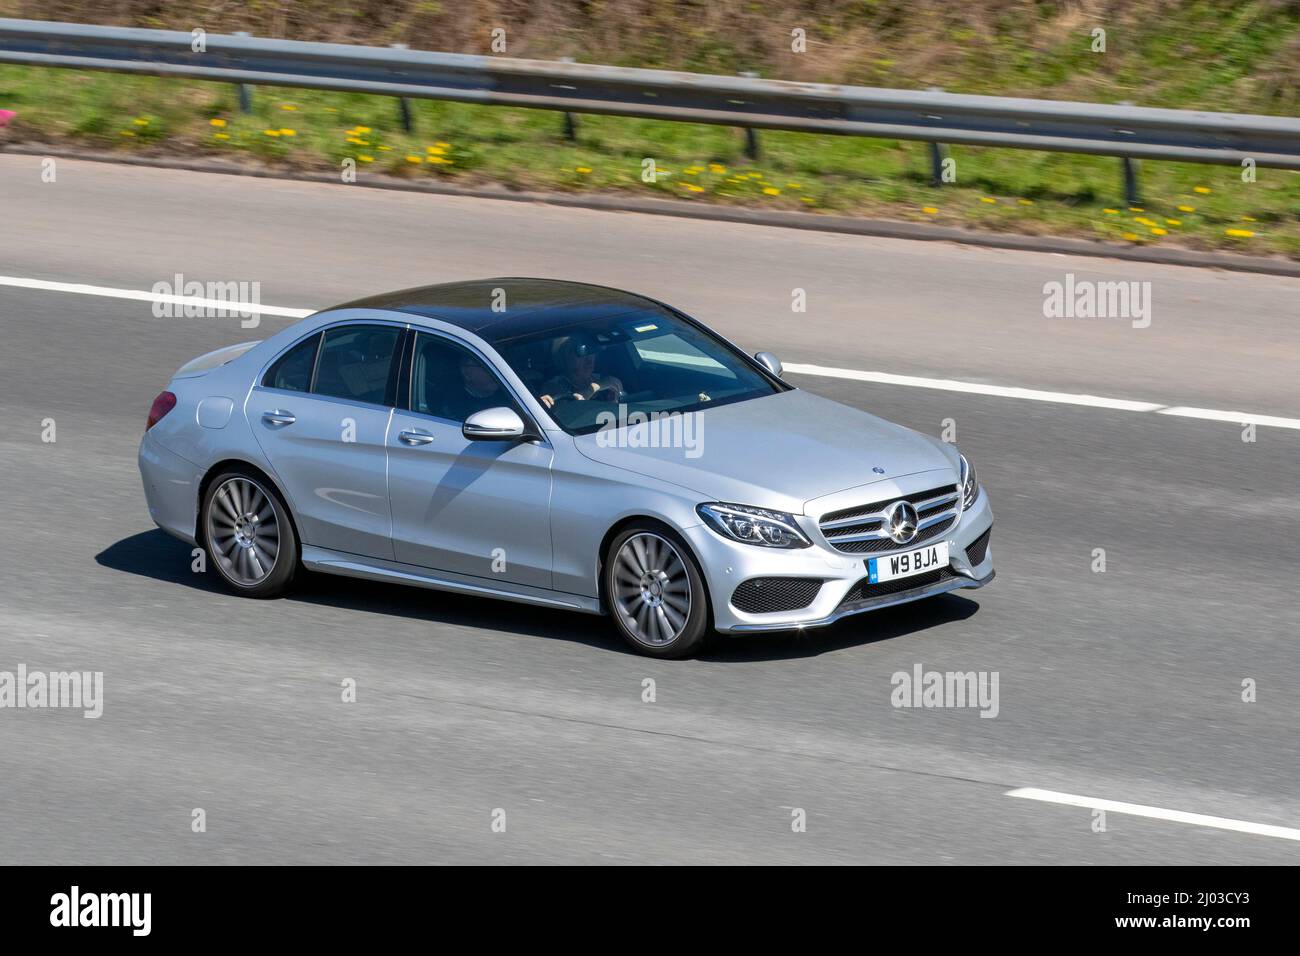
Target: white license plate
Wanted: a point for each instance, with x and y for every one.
(929, 558)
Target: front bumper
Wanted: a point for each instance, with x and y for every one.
(726, 564)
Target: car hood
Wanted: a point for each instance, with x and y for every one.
(779, 451)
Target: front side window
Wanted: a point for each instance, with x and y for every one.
(647, 361)
(356, 362)
(292, 370)
(449, 381)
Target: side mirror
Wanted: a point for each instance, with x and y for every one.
(494, 424)
(769, 362)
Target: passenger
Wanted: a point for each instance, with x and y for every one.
(479, 389)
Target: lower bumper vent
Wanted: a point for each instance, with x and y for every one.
(766, 595)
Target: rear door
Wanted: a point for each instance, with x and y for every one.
(321, 414)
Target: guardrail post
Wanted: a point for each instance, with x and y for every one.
(938, 153)
(403, 104)
(245, 91)
(1132, 195)
(570, 121)
(751, 134)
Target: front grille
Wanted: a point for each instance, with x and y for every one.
(861, 523)
(766, 595)
(865, 591)
(978, 548)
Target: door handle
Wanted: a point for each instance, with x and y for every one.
(415, 437)
(278, 417)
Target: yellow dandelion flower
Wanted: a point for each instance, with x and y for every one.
(439, 161)
(694, 188)
(808, 199)
(929, 210)
(288, 132)
(366, 159)
(582, 169)
(1203, 190)
(128, 132)
(1111, 212)
(270, 132)
(217, 121)
(1156, 230)
(442, 145)
(1187, 209)
(989, 199)
(386, 148)
(755, 175)
(141, 121)
(221, 136)
(414, 159)
(771, 191)
(434, 150)
(288, 106)
(1025, 202)
(1136, 209)
(362, 129)
(1143, 221)
(1249, 219)
(1239, 233)
(1173, 222)
(793, 186)
(1131, 236)
(717, 168)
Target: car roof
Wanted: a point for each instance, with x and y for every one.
(531, 305)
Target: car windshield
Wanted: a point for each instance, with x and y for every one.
(644, 361)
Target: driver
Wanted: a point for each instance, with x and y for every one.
(577, 380)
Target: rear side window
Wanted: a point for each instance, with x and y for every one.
(356, 362)
(292, 370)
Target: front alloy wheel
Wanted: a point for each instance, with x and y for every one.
(656, 593)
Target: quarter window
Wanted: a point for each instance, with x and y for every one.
(356, 362)
(292, 370)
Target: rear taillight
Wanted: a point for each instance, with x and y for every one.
(163, 404)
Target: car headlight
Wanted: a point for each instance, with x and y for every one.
(767, 529)
(970, 484)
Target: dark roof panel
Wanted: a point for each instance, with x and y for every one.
(530, 304)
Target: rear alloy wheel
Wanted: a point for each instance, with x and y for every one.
(249, 537)
(656, 593)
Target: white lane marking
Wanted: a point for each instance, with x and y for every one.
(976, 388)
(1156, 813)
(885, 378)
(110, 293)
(1037, 395)
(1241, 418)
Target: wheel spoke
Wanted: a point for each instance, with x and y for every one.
(666, 630)
(676, 616)
(679, 604)
(223, 495)
(638, 548)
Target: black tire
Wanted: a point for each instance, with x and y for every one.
(238, 508)
(640, 609)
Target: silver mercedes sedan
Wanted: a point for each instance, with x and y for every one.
(559, 444)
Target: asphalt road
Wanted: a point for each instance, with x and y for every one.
(1124, 685)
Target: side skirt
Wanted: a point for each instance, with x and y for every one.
(377, 569)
